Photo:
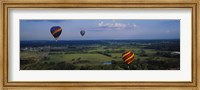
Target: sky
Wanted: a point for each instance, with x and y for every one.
(99, 29)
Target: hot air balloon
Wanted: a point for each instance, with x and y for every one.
(56, 31)
(82, 32)
(128, 57)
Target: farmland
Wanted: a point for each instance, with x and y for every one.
(99, 54)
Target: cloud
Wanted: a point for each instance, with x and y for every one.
(116, 26)
(167, 31)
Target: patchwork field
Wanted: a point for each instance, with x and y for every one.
(100, 55)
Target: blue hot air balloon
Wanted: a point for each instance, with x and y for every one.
(56, 31)
(82, 32)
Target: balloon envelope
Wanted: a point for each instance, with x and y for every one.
(82, 32)
(56, 31)
(128, 57)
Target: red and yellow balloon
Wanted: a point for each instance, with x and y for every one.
(128, 57)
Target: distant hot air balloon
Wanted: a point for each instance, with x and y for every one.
(128, 57)
(82, 32)
(56, 31)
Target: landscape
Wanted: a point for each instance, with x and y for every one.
(84, 52)
(99, 55)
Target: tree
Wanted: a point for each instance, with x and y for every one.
(142, 53)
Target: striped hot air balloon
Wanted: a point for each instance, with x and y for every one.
(56, 31)
(128, 57)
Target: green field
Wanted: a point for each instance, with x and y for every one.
(100, 57)
(93, 57)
